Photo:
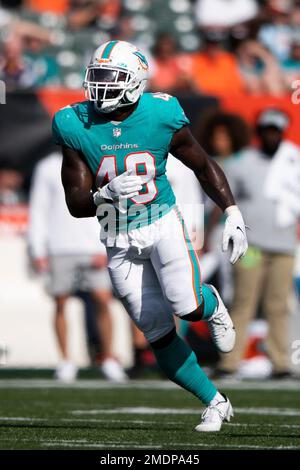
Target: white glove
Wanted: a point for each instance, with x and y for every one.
(234, 231)
(121, 187)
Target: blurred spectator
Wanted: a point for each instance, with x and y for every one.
(80, 13)
(295, 16)
(13, 207)
(260, 70)
(11, 181)
(17, 68)
(265, 182)
(170, 70)
(143, 357)
(21, 70)
(223, 136)
(297, 272)
(215, 70)
(291, 66)
(13, 68)
(11, 23)
(70, 250)
(276, 33)
(85, 13)
(224, 13)
(5, 18)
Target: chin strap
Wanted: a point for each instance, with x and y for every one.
(106, 107)
(130, 97)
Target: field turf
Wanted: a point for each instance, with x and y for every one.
(39, 414)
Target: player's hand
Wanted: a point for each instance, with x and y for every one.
(99, 261)
(41, 265)
(123, 186)
(235, 232)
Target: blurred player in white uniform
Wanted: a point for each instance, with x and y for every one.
(70, 251)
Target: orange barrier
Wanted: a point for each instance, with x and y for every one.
(55, 6)
(55, 98)
(250, 106)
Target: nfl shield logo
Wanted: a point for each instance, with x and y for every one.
(117, 132)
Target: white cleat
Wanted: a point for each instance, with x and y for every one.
(221, 326)
(214, 415)
(66, 372)
(113, 371)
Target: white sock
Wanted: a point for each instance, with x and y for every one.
(217, 398)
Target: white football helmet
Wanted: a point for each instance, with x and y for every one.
(116, 76)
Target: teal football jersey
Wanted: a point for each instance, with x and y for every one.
(140, 143)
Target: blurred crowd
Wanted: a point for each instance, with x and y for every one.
(199, 46)
(195, 47)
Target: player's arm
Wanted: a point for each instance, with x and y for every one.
(38, 229)
(77, 181)
(214, 182)
(211, 177)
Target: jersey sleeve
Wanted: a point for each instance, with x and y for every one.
(169, 116)
(179, 118)
(56, 131)
(169, 112)
(63, 129)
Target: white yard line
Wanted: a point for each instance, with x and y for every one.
(268, 411)
(265, 425)
(144, 410)
(84, 443)
(104, 446)
(133, 445)
(116, 421)
(147, 384)
(19, 418)
(137, 421)
(235, 446)
(87, 384)
(139, 410)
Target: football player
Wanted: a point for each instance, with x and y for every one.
(115, 146)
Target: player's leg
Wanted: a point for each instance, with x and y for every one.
(177, 266)
(143, 357)
(66, 371)
(60, 325)
(96, 281)
(275, 303)
(110, 366)
(60, 288)
(179, 363)
(249, 278)
(104, 319)
(136, 284)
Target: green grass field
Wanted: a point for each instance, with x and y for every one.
(39, 414)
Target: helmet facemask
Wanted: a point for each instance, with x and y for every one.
(109, 87)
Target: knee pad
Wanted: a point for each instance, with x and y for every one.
(149, 316)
